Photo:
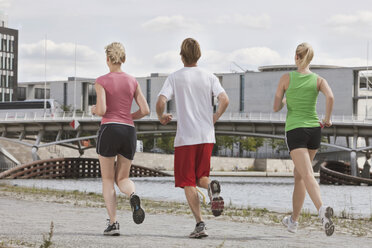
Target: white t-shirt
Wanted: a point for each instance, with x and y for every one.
(192, 88)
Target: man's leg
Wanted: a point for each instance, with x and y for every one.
(194, 203)
(203, 165)
(203, 182)
(184, 177)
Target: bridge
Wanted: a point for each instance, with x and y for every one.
(56, 130)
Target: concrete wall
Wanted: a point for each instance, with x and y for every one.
(260, 87)
(166, 162)
(341, 82)
(259, 90)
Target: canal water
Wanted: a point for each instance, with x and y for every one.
(273, 193)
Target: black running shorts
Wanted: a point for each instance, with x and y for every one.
(114, 139)
(303, 138)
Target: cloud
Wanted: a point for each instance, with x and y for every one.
(171, 23)
(249, 21)
(216, 61)
(358, 24)
(168, 61)
(57, 50)
(60, 61)
(249, 58)
(326, 59)
(5, 3)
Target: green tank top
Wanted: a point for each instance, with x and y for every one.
(301, 95)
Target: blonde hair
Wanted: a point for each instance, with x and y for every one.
(115, 52)
(190, 51)
(305, 53)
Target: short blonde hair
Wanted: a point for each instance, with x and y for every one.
(305, 53)
(115, 52)
(190, 51)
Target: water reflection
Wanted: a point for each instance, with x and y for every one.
(273, 193)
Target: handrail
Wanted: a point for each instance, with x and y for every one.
(230, 116)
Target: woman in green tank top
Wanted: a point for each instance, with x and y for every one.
(303, 132)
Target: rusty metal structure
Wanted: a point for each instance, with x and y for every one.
(339, 173)
(66, 168)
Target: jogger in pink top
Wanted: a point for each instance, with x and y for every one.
(117, 135)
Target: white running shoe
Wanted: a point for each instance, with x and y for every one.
(290, 224)
(325, 215)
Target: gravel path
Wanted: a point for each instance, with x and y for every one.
(26, 221)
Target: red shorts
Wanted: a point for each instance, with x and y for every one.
(191, 163)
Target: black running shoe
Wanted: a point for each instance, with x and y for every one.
(199, 231)
(325, 215)
(112, 230)
(217, 203)
(138, 213)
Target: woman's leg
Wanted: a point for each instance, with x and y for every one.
(299, 194)
(108, 189)
(125, 185)
(303, 163)
(299, 191)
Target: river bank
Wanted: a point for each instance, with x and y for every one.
(79, 221)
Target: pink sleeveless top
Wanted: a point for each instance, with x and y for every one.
(120, 88)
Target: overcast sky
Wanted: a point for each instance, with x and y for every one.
(249, 33)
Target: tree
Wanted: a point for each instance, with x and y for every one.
(148, 142)
(250, 143)
(278, 144)
(166, 143)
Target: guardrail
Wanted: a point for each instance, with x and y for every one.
(70, 168)
(249, 116)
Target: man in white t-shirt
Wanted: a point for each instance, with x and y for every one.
(192, 89)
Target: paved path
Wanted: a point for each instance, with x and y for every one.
(82, 227)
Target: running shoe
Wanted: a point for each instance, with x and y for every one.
(112, 229)
(325, 215)
(217, 203)
(138, 213)
(290, 224)
(199, 231)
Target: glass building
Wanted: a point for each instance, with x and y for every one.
(8, 61)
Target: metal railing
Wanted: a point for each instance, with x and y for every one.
(249, 116)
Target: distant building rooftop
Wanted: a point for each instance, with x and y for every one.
(294, 67)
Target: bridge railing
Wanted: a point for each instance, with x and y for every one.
(245, 116)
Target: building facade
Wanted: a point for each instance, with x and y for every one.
(8, 61)
(249, 92)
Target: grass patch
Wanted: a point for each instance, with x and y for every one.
(47, 238)
(360, 227)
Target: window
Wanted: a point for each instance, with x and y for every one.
(65, 94)
(6, 97)
(148, 92)
(363, 82)
(168, 107)
(12, 46)
(21, 92)
(3, 44)
(11, 82)
(39, 93)
(3, 81)
(241, 100)
(92, 98)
